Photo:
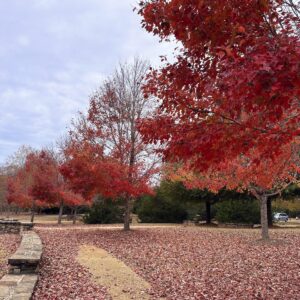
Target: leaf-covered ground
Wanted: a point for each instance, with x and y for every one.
(179, 263)
(8, 245)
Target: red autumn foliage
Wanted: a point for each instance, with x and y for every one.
(39, 183)
(263, 180)
(244, 173)
(235, 82)
(105, 154)
(91, 172)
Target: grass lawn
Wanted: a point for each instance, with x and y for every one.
(8, 245)
(175, 263)
(39, 219)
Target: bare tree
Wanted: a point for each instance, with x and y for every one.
(10, 167)
(17, 159)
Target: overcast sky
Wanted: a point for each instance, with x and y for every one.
(53, 54)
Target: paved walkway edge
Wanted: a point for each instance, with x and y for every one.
(20, 284)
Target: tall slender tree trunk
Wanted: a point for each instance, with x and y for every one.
(208, 211)
(127, 215)
(264, 218)
(75, 215)
(269, 209)
(61, 209)
(32, 212)
(32, 215)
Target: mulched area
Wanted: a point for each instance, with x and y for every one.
(179, 263)
(8, 245)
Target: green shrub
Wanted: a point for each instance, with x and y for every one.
(104, 211)
(238, 211)
(158, 210)
(195, 211)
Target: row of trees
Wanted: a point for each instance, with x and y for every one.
(224, 114)
(33, 180)
(103, 154)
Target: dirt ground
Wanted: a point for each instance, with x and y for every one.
(121, 282)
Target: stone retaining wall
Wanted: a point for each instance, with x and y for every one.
(27, 257)
(14, 226)
(20, 284)
(17, 287)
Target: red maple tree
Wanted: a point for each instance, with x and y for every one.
(105, 154)
(38, 183)
(235, 82)
(232, 92)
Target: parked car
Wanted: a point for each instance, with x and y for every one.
(281, 217)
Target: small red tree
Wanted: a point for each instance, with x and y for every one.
(39, 184)
(21, 181)
(48, 182)
(18, 191)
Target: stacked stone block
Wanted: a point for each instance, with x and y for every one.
(20, 283)
(14, 226)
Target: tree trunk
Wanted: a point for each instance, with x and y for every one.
(269, 209)
(127, 215)
(264, 218)
(32, 216)
(32, 213)
(61, 209)
(208, 212)
(75, 215)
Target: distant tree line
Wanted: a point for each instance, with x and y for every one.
(174, 203)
